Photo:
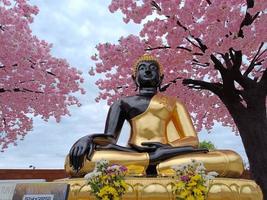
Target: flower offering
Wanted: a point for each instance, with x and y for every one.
(192, 181)
(107, 182)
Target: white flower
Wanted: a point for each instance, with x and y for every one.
(210, 175)
(200, 169)
(213, 174)
(103, 162)
(92, 175)
(114, 168)
(89, 175)
(178, 167)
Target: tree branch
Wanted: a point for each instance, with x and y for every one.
(218, 65)
(228, 78)
(184, 48)
(250, 3)
(216, 88)
(155, 48)
(3, 66)
(166, 86)
(2, 28)
(236, 57)
(154, 4)
(191, 42)
(209, 2)
(182, 26)
(248, 20)
(201, 64)
(228, 62)
(32, 66)
(253, 62)
(168, 47)
(202, 46)
(2, 90)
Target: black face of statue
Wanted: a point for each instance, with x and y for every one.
(147, 74)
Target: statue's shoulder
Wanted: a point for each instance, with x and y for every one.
(167, 98)
(128, 100)
(171, 101)
(168, 101)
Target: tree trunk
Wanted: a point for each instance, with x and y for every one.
(254, 137)
(252, 125)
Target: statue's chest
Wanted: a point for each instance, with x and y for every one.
(160, 107)
(151, 124)
(157, 107)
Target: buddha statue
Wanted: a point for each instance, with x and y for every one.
(162, 134)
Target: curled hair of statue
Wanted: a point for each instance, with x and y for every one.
(147, 57)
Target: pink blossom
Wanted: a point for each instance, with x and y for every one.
(33, 82)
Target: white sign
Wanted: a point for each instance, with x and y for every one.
(38, 197)
(7, 190)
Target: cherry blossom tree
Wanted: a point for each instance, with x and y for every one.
(32, 81)
(215, 47)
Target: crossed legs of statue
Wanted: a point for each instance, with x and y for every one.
(225, 162)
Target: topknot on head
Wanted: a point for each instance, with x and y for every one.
(147, 57)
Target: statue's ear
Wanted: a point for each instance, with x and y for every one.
(160, 81)
(133, 77)
(161, 78)
(136, 82)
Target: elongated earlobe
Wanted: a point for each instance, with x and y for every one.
(160, 81)
(136, 83)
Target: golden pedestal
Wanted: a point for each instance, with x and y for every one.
(160, 189)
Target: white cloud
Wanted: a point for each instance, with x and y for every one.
(75, 7)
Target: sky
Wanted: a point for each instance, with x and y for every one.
(75, 27)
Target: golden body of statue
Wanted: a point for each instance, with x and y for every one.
(162, 134)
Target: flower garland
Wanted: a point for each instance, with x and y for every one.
(107, 182)
(192, 181)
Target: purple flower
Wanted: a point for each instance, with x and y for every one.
(123, 168)
(185, 178)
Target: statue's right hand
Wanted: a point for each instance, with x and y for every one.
(78, 151)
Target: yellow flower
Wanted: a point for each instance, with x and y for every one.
(190, 197)
(107, 190)
(116, 198)
(203, 188)
(200, 197)
(197, 191)
(184, 193)
(192, 183)
(196, 177)
(117, 183)
(124, 185)
(105, 177)
(105, 198)
(180, 184)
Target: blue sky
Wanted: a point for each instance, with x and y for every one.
(75, 27)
